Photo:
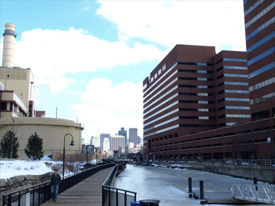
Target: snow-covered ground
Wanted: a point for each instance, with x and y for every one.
(13, 168)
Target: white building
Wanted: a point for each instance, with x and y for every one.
(95, 141)
(116, 141)
(106, 144)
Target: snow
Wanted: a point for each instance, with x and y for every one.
(10, 169)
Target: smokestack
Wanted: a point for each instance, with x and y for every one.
(9, 42)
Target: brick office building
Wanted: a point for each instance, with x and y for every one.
(174, 121)
(193, 90)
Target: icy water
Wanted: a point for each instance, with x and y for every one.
(162, 184)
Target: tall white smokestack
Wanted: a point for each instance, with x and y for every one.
(9, 43)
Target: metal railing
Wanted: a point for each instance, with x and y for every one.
(41, 193)
(254, 193)
(261, 162)
(112, 196)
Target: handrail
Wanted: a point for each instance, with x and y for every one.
(116, 188)
(40, 193)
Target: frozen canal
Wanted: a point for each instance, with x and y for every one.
(162, 183)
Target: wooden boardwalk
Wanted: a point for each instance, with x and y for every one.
(87, 192)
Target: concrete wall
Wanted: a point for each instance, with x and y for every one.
(263, 173)
(51, 130)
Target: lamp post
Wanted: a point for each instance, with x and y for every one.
(72, 144)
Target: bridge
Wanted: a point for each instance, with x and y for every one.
(254, 193)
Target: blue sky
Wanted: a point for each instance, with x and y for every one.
(90, 57)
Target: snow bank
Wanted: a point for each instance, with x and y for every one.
(10, 169)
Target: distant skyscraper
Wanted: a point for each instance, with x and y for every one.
(116, 141)
(95, 141)
(123, 133)
(102, 136)
(133, 135)
(106, 144)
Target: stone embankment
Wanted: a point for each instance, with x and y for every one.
(22, 181)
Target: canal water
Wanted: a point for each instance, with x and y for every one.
(168, 185)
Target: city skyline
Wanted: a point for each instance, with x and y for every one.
(67, 71)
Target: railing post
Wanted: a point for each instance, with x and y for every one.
(33, 192)
(116, 197)
(103, 196)
(255, 180)
(109, 196)
(39, 195)
(19, 198)
(9, 200)
(202, 200)
(125, 198)
(190, 187)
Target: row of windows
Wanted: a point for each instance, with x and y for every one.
(196, 94)
(172, 67)
(263, 12)
(147, 100)
(166, 79)
(195, 63)
(163, 102)
(259, 29)
(231, 67)
(231, 60)
(234, 60)
(238, 115)
(162, 123)
(162, 130)
(253, 7)
(197, 110)
(197, 117)
(262, 84)
(196, 78)
(195, 102)
(159, 111)
(262, 99)
(161, 117)
(261, 42)
(245, 1)
(196, 71)
(261, 70)
(199, 125)
(234, 107)
(261, 56)
(233, 91)
(233, 83)
(234, 100)
(233, 75)
(196, 86)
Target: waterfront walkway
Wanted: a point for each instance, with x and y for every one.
(87, 192)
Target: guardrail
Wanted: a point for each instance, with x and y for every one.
(41, 193)
(254, 193)
(261, 162)
(112, 196)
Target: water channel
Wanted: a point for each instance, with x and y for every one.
(168, 185)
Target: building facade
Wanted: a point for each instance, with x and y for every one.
(102, 136)
(193, 90)
(106, 144)
(95, 141)
(51, 130)
(117, 141)
(260, 43)
(123, 132)
(133, 135)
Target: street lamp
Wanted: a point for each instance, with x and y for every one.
(72, 144)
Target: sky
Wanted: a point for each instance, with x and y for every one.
(89, 58)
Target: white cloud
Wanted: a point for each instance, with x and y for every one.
(106, 107)
(213, 23)
(53, 53)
